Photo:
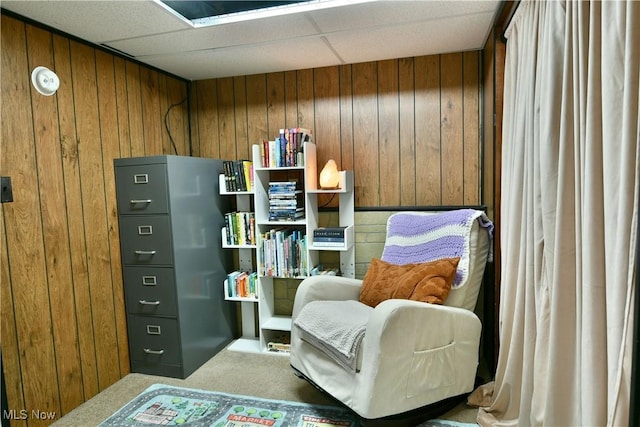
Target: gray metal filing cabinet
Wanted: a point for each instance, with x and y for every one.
(170, 218)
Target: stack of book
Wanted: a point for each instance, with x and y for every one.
(286, 150)
(238, 175)
(242, 284)
(240, 228)
(329, 237)
(285, 201)
(283, 253)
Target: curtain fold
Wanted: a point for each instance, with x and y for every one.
(569, 200)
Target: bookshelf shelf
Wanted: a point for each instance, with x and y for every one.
(278, 323)
(246, 345)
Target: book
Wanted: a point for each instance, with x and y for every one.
(279, 347)
(328, 239)
(329, 232)
(321, 244)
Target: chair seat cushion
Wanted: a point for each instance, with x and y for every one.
(427, 282)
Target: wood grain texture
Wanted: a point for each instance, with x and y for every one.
(390, 182)
(64, 335)
(410, 129)
(407, 141)
(15, 93)
(428, 110)
(55, 226)
(23, 219)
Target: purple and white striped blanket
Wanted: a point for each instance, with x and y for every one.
(416, 237)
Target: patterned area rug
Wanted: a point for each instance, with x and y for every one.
(162, 405)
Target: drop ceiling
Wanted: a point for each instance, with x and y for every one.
(325, 33)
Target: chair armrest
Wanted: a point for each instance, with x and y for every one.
(402, 332)
(414, 353)
(424, 325)
(316, 288)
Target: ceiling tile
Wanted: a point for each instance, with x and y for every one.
(226, 35)
(282, 55)
(408, 40)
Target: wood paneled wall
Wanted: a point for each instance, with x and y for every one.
(64, 333)
(409, 128)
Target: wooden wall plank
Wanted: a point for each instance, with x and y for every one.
(471, 130)
(178, 118)
(327, 122)
(275, 104)
(243, 144)
(257, 108)
(55, 226)
(291, 98)
(389, 133)
(306, 113)
(428, 154)
(365, 134)
(208, 127)
(226, 119)
(406, 87)
(151, 115)
(136, 112)
(346, 117)
(451, 125)
(124, 134)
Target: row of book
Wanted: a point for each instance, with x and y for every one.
(282, 253)
(285, 201)
(287, 150)
(242, 284)
(238, 175)
(240, 228)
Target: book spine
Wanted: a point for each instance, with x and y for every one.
(328, 239)
(328, 244)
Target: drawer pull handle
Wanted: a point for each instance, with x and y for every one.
(138, 201)
(154, 330)
(144, 302)
(145, 230)
(149, 280)
(145, 252)
(141, 178)
(149, 351)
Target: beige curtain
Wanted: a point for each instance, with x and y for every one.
(569, 185)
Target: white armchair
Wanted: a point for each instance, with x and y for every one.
(410, 353)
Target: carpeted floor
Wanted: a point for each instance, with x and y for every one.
(261, 375)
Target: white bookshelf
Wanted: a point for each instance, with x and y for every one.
(270, 324)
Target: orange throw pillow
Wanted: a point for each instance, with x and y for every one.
(427, 282)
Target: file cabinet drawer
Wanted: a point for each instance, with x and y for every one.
(150, 290)
(146, 240)
(142, 189)
(154, 340)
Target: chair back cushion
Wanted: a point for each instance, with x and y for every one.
(419, 237)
